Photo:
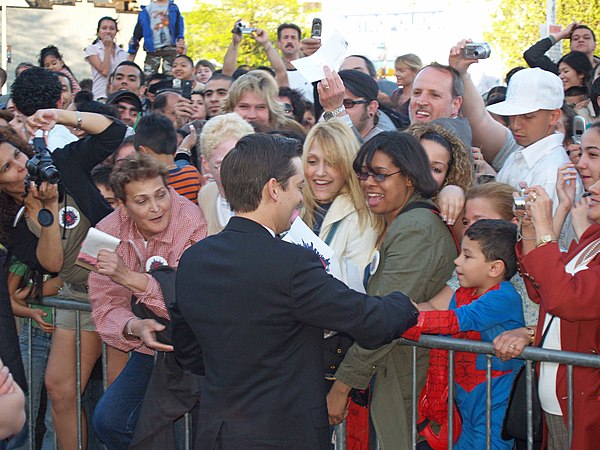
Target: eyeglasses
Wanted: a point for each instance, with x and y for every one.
(349, 104)
(377, 177)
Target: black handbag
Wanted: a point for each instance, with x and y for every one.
(514, 425)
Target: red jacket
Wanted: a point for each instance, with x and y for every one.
(576, 300)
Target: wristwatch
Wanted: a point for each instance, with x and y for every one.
(531, 334)
(546, 239)
(331, 114)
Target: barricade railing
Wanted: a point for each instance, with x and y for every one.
(530, 354)
(453, 345)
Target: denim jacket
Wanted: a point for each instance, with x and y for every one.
(144, 30)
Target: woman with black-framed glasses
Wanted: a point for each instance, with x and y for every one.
(415, 255)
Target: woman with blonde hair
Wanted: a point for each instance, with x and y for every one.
(336, 210)
(334, 205)
(407, 67)
(254, 97)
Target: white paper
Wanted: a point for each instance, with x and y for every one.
(354, 276)
(301, 234)
(331, 54)
(97, 240)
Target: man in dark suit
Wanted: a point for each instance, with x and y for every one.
(251, 309)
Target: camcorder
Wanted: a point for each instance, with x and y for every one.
(477, 50)
(242, 28)
(41, 167)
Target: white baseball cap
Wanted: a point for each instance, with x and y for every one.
(530, 90)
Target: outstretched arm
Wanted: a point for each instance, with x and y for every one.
(488, 134)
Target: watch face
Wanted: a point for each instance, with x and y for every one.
(328, 115)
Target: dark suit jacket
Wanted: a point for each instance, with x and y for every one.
(249, 314)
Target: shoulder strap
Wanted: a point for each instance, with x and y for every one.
(334, 227)
(435, 210)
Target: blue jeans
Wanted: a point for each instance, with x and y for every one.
(117, 412)
(40, 349)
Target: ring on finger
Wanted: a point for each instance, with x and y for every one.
(512, 346)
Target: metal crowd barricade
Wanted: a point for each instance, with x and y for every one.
(530, 354)
(453, 345)
(78, 307)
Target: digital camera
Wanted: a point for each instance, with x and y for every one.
(477, 50)
(519, 202)
(41, 167)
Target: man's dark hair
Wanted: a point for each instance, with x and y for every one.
(511, 72)
(254, 160)
(26, 64)
(101, 175)
(283, 26)
(458, 85)
(585, 27)
(156, 132)
(36, 88)
(497, 240)
(86, 84)
(370, 66)
(220, 76)
(186, 57)
(132, 64)
(298, 104)
(156, 76)
(60, 74)
(406, 154)
(594, 94)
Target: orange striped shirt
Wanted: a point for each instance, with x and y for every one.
(186, 181)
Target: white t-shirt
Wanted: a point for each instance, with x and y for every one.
(100, 81)
(159, 21)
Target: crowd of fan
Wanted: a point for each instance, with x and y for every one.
(139, 153)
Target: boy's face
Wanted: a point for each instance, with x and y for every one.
(472, 268)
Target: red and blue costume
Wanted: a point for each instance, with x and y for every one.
(475, 317)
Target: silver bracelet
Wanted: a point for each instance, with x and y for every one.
(79, 121)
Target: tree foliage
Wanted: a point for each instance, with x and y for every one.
(516, 25)
(208, 27)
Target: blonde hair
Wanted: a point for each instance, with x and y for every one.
(263, 85)
(220, 128)
(460, 169)
(500, 195)
(339, 146)
(409, 60)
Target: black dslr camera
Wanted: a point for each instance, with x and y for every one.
(41, 167)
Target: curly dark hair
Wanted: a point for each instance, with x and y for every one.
(36, 88)
(8, 206)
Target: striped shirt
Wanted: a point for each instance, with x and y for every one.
(111, 302)
(186, 181)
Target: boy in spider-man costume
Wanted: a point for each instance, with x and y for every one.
(484, 306)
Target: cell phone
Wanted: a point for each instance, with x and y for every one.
(316, 28)
(186, 89)
(578, 129)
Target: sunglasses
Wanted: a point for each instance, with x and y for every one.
(349, 104)
(377, 177)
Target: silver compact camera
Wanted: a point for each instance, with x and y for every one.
(477, 50)
(519, 202)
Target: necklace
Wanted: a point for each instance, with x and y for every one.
(590, 253)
